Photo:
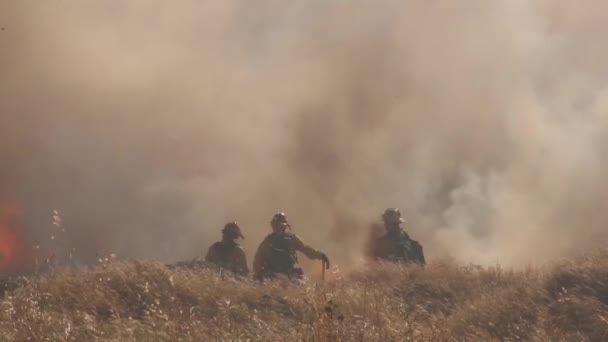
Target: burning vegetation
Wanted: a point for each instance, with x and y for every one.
(9, 243)
(23, 260)
(11, 247)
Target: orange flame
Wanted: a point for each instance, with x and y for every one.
(9, 242)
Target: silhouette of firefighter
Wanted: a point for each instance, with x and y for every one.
(396, 245)
(228, 254)
(277, 252)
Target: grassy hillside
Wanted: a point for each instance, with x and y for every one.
(147, 301)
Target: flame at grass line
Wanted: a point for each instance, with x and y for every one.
(9, 240)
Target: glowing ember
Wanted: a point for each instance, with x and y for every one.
(9, 243)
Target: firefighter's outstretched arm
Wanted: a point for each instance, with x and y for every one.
(309, 251)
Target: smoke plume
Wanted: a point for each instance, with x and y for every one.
(148, 124)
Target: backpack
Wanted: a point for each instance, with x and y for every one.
(409, 250)
(282, 256)
(223, 249)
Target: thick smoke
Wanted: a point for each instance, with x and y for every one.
(148, 124)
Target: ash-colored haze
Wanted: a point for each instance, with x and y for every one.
(148, 123)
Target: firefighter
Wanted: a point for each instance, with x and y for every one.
(228, 254)
(277, 252)
(396, 245)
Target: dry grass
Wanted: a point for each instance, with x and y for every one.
(147, 301)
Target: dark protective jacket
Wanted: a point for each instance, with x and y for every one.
(277, 254)
(397, 246)
(228, 255)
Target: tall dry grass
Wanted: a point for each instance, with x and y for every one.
(148, 301)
